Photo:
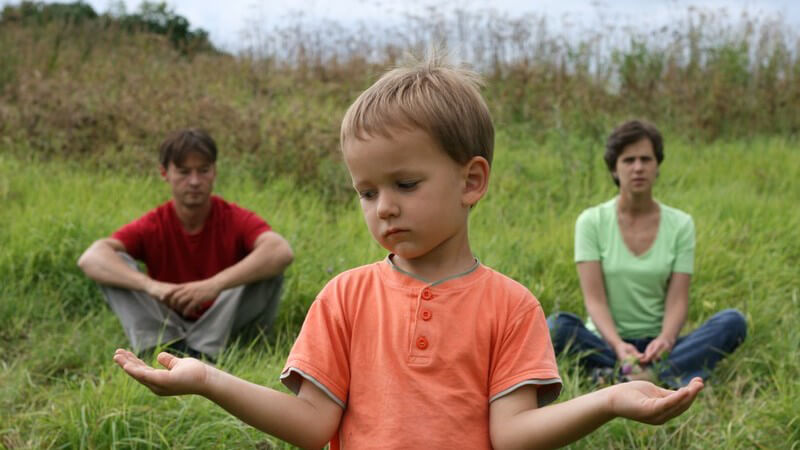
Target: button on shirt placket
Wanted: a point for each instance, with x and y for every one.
(421, 339)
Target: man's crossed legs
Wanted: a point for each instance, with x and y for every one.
(148, 322)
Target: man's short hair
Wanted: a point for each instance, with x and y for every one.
(178, 144)
(436, 97)
(629, 133)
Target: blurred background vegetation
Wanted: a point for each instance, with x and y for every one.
(104, 87)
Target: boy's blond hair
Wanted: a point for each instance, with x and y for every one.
(441, 99)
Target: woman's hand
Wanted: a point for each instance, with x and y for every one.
(183, 375)
(625, 350)
(645, 402)
(656, 348)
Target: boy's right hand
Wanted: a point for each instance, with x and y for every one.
(183, 375)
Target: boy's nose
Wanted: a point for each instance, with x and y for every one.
(387, 207)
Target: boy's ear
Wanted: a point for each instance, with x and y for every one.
(163, 171)
(476, 180)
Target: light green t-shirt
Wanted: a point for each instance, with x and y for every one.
(636, 286)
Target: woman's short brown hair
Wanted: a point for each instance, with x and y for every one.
(629, 133)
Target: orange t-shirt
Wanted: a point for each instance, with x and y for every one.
(416, 364)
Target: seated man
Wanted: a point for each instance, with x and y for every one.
(212, 267)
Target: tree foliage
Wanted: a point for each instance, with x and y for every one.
(151, 17)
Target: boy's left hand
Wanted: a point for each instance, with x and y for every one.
(645, 402)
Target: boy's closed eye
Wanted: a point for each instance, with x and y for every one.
(367, 194)
(407, 185)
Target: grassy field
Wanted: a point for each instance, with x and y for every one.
(83, 106)
(60, 389)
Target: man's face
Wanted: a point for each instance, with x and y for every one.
(191, 180)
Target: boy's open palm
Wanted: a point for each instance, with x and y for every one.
(645, 402)
(182, 375)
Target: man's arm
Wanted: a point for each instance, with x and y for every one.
(307, 420)
(101, 263)
(590, 274)
(270, 256)
(516, 422)
(676, 307)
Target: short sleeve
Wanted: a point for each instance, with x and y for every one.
(133, 236)
(250, 226)
(321, 352)
(586, 242)
(684, 248)
(524, 355)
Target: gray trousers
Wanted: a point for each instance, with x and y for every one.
(149, 322)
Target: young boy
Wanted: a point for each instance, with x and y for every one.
(427, 348)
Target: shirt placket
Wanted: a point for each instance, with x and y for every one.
(421, 336)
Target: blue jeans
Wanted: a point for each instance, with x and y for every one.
(694, 355)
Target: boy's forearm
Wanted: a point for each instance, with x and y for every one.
(555, 425)
(292, 419)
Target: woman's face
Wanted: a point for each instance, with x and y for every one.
(637, 167)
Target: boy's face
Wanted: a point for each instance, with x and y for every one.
(415, 198)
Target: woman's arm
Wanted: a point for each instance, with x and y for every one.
(676, 307)
(590, 274)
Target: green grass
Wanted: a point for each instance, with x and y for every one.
(60, 389)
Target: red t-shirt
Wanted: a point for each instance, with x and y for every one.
(172, 255)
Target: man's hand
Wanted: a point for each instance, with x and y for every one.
(160, 290)
(625, 350)
(186, 298)
(645, 402)
(183, 375)
(656, 348)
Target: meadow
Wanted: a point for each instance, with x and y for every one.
(61, 390)
(78, 131)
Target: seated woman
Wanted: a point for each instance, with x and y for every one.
(635, 258)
